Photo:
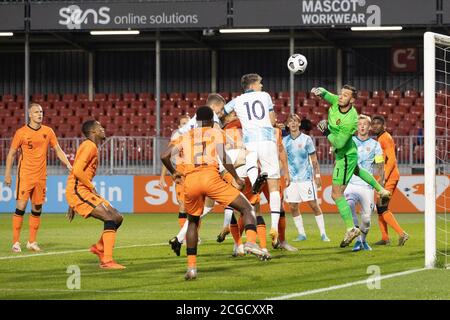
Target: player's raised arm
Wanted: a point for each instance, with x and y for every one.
(328, 96)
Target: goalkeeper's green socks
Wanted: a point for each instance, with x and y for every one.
(367, 177)
(345, 212)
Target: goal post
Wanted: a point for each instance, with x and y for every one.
(436, 83)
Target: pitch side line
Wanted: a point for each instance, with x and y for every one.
(18, 256)
(346, 285)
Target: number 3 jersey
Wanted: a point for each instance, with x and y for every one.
(33, 144)
(253, 110)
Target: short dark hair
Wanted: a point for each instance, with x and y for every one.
(87, 127)
(248, 79)
(380, 118)
(351, 88)
(214, 98)
(205, 113)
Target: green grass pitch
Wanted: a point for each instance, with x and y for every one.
(154, 272)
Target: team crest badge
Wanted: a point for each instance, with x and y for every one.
(338, 122)
(45, 136)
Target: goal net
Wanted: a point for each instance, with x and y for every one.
(437, 147)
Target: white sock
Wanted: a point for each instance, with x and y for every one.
(275, 208)
(206, 210)
(298, 220)
(227, 216)
(321, 224)
(182, 234)
(251, 166)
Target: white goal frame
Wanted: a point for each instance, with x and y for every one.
(429, 45)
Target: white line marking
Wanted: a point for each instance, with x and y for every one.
(225, 292)
(346, 285)
(18, 256)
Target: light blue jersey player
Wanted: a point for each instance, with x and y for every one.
(304, 173)
(254, 108)
(370, 155)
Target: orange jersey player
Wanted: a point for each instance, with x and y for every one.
(33, 141)
(84, 200)
(201, 148)
(391, 176)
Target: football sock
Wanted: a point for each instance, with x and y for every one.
(227, 216)
(275, 208)
(234, 229)
(17, 224)
(383, 228)
(282, 227)
(182, 233)
(99, 244)
(390, 220)
(298, 221)
(250, 232)
(182, 216)
(109, 238)
(261, 231)
(367, 177)
(34, 223)
(345, 212)
(321, 224)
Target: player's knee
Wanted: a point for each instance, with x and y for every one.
(118, 220)
(20, 212)
(381, 209)
(36, 213)
(260, 221)
(109, 225)
(194, 219)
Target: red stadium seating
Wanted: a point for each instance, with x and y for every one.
(52, 97)
(379, 94)
(82, 97)
(191, 96)
(145, 96)
(37, 97)
(129, 97)
(413, 94)
(6, 98)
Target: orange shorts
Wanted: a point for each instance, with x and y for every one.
(83, 200)
(31, 190)
(228, 177)
(206, 183)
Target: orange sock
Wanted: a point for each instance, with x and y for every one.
(17, 226)
(251, 234)
(390, 219)
(282, 227)
(99, 244)
(109, 238)
(192, 261)
(181, 219)
(34, 222)
(261, 231)
(383, 228)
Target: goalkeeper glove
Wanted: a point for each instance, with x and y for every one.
(323, 127)
(318, 91)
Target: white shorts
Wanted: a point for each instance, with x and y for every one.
(300, 192)
(234, 154)
(362, 195)
(267, 152)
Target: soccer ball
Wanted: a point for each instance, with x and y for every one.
(297, 63)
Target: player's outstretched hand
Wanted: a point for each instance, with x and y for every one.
(318, 91)
(322, 125)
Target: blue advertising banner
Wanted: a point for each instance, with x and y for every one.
(118, 190)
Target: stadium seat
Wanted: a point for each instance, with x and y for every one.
(136, 105)
(66, 113)
(407, 102)
(400, 109)
(110, 112)
(121, 120)
(394, 118)
(175, 96)
(121, 105)
(68, 97)
(20, 98)
(383, 110)
(37, 97)
(203, 96)
(413, 94)
(99, 97)
(191, 96)
(129, 97)
(395, 94)
(374, 102)
(410, 117)
(6, 98)
(363, 95)
(76, 105)
(114, 97)
(52, 97)
(59, 105)
(300, 95)
(82, 112)
(310, 103)
(129, 113)
(83, 97)
(380, 94)
(184, 104)
(50, 113)
(145, 96)
(368, 110)
(416, 109)
(359, 103)
(390, 102)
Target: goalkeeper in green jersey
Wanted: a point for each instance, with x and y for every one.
(341, 125)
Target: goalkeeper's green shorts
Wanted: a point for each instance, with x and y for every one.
(344, 169)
